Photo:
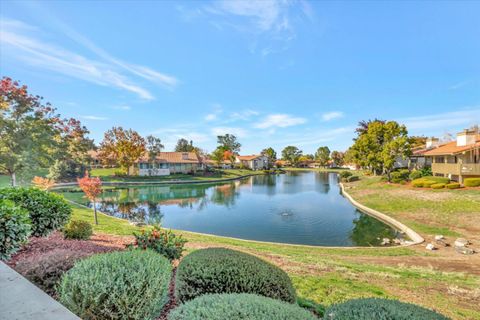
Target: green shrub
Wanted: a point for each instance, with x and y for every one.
(427, 182)
(400, 175)
(15, 228)
(415, 175)
(380, 309)
(45, 272)
(48, 211)
(353, 178)
(471, 182)
(236, 306)
(219, 270)
(438, 185)
(426, 171)
(165, 242)
(344, 174)
(119, 285)
(452, 185)
(77, 229)
(312, 306)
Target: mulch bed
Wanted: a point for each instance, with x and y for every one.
(172, 302)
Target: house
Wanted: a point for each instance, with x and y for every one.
(417, 159)
(167, 163)
(254, 162)
(458, 159)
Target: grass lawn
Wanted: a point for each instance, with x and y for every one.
(108, 174)
(22, 179)
(329, 275)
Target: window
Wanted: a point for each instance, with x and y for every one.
(439, 159)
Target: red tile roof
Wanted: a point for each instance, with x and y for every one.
(248, 158)
(174, 157)
(451, 148)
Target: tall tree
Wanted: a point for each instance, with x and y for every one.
(27, 130)
(363, 125)
(123, 146)
(92, 187)
(229, 143)
(184, 146)
(322, 155)
(154, 147)
(337, 158)
(291, 154)
(418, 141)
(271, 156)
(397, 145)
(218, 156)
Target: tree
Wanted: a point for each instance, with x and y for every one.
(271, 156)
(230, 156)
(337, 158)
(291, 154)
(27, 130)
(322, 155)
(229, 143)
(378, 147)
(92, 187)
(418, 141)
(43, 183)
(154, 147)
(184, 146)
(363, 125)
(218, 156)
(123, 146)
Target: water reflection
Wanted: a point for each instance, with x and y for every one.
(298, 207)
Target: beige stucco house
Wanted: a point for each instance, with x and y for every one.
(458, 159)
(167, 163)
(254, 162)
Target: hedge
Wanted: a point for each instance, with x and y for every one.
(220, 270)
(15, 228)
(452, 185)
(471, 182)
(415, 175)
(119, 285)
(438, 186)
(427, 182)
(379, 309)
(352, 178)
(345, 174)
(400, 175)
(236, 306)
(48, 211)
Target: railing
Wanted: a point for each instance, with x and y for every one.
(452, 168)
(470, 168)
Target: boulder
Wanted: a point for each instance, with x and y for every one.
(464, 250)
(461, 242)
(385, 241)
(430, 246)
(439, 237)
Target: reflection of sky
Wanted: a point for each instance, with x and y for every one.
(300, 207)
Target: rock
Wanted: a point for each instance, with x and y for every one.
(397, 241)
(430, 246)
(385, 241)
(464, 250)
(439, 237)
(461, 242)
(442, 243)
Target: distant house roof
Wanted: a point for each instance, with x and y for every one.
(451, 148)
(174, 157)
(249, 158)
(93, 154)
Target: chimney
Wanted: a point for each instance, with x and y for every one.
(432, 142)
(184, 155)
(466, 137)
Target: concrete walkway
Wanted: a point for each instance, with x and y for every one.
(21, 300)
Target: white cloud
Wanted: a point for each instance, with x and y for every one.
(122, 107)
(96, 118)
(220, 131)
(17, 41)
(279, 120)
(217, 109)
(211, 117)
(443, 121)
(243, 115)
(316, 137)
(332, 115)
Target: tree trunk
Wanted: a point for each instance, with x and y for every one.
(95, 212)
(13, 179)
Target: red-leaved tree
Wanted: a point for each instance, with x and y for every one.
(92, 187)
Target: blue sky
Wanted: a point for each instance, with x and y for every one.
(272, 73)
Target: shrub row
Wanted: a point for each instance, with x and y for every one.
(236, 306)
(381, 309)
(219, 270)
(120, 285)
(427, 182)
(48, 211)
(472, 182)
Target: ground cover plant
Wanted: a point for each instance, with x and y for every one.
(236, 306)
(15, 228)
(162, 241)
(120, 285)
(80, 230)
(48, 211)
(380, 309)
(219, 270)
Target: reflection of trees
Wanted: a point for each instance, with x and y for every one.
(155, 214)
(224, 195)
(322, 184)
(367, 229)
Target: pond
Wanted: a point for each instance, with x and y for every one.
(301, 207)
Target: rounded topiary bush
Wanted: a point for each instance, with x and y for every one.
(219, 270)
(48, 211)
(119, 285)
(77, 229)
(452, 185)
(438, 186)
(415, 175)
(236, 306)
(472, 182)
(14, 228)
(380, 309)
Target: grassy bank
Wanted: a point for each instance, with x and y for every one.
(328, 275)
